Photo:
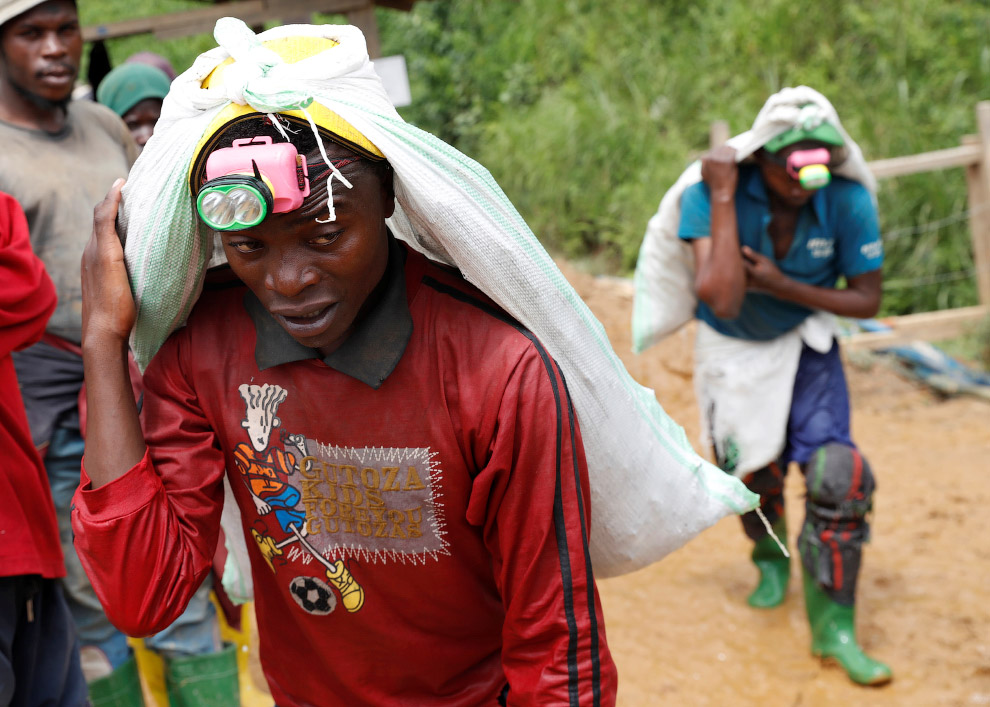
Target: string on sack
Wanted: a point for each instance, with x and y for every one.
(782, 546)
(334, 172)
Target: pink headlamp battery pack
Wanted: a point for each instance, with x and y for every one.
(281, 166)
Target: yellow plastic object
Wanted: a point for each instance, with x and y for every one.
(814, 176)
(152, 669)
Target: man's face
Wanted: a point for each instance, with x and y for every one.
(314, 278)
(142, 118)
(41, 49)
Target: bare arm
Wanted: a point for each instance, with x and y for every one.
(860, 298)
(114, 441)
(720, 276)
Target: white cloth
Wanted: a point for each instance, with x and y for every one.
(650, 491)
(664, 298)
(744, 390)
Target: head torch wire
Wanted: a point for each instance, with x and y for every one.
(323, 153)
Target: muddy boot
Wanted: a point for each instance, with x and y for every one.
(774, 567)
(208, 680)
(833, 636)
(121, 688)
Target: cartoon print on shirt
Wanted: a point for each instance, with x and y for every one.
(266, 471)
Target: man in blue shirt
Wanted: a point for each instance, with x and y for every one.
(771, 238)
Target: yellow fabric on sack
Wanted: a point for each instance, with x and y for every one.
(291, 50)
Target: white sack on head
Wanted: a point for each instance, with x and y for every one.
(650, 491)
(664, 298)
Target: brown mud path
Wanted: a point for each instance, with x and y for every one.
(680, 630)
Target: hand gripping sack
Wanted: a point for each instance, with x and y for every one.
(650, 491)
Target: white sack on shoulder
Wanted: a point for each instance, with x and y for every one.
(650, 491)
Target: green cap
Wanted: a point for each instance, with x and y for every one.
(817, 130)
(129, 84)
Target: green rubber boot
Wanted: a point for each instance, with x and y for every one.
(833, 636)
(121, 688)
(204, 680)
(774, 567)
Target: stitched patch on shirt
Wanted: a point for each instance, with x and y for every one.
(821, 247)
(872, 250)
(374, 503)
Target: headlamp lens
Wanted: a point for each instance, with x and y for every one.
(233, 203)
(814, 176)
(247, 206)
(217, 210)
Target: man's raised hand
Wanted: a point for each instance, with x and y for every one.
(108, 310)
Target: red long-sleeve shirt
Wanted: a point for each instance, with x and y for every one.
(28, 529)
(418, 534)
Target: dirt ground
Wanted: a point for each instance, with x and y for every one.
(680, 630)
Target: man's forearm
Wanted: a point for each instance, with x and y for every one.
(849, 302)
(114, 440)
(721, 280)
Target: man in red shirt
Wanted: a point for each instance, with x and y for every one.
(39, 649)
(418, 526)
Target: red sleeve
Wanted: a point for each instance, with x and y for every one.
(147, 539)
(532, 499)
(27, 295)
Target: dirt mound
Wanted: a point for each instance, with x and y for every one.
(681, 631)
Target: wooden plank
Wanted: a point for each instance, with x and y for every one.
(927, 326)
(718, 133)
(253, 12)
(961, 156)
(124, 28)
(364, 19)
(978, 188)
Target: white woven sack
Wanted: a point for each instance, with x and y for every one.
(650, 491)
(664, 298)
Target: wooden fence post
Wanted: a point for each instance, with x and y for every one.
(718, 133)
(978, 187)
(364, 19)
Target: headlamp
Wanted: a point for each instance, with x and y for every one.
(250, 180)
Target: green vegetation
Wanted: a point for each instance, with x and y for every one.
(586, 112)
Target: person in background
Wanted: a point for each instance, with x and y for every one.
(39, 648)
(155, 60)
(771, 238)
(59, 158)
(134, 91)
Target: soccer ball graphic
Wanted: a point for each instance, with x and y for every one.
(314, 595)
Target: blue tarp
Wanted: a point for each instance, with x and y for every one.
(928, 363)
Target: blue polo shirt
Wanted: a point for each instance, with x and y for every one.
(837, 234)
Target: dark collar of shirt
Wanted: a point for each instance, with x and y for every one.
(375, 345)
(756, 189)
